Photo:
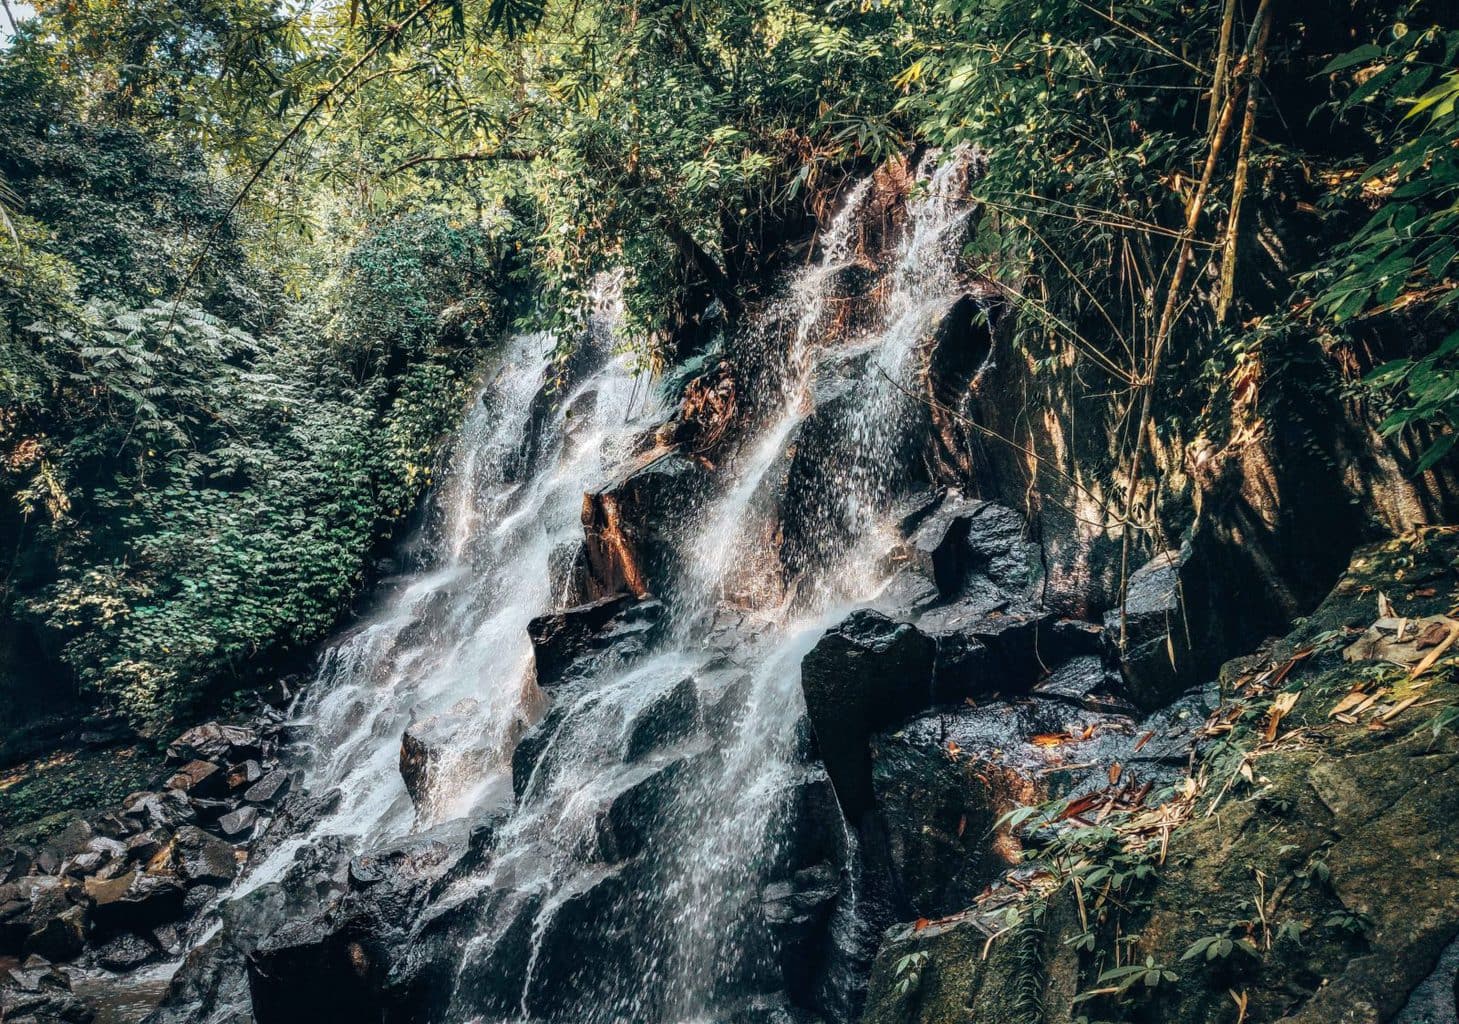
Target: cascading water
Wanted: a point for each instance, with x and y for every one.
(456, 631)
(697, 741)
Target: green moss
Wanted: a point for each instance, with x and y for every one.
(37, 798)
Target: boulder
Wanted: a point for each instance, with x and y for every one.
(204, 859)
(627, 525)
(962, 539)
(1152, 631)
(134, 902)
(562, 640)
(1083, 682)
(244, 775)
(215, 974)
(1018, 647)
(797, 913)
(236, 826)
(478, 948)
(58, 934)
(866, 674)
(166, 810)
(269, 789)
(37, 993)
(335, 963)
(943, 780)
(221, 744)
(585, 935)
(633, 810)
(126, 952)
(527, 755)
(669, 718)
(199, 779)
(432, 745)
(40, 914)
(143, 846)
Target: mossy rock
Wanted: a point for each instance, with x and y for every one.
(1333, 853)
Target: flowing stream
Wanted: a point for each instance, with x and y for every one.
(565, 924)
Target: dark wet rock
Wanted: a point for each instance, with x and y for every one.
(568, 575)
(669, 718)
(965, 544)
(58, 931)
(863, 676)
(199, 896)
(963, 668)
(335, 963)
(530, 750)
(221, 744)
(477, 948)
(199, 779)
(305, 973)
(168, 937)
(165, 810)
(587, 915)
(628, 537)
(798, 912)
(215, 974)
(722, 690)
(126, 952)
(1153, 628)
(134, 901)
(203, 858)
(1167, 737)
(413, 862)
(15, 862)
(236, 826)
(1176, 625)
(432, 744)
(103, 856)
(143, 846)
(41, 914)
(944, 779)
(560, 640)
(244, 775)
(814, 826)
(37, 993)
(1021, 644)
(1084, 682)
(69, 841)
(269, 789)
(634, 810)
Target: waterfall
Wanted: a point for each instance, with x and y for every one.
(700, 733)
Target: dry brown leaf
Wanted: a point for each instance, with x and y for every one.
(1050, 739)
(1435, 654)
(1114, 773)
(1385, 606)
(1280, 708)
(1369, 701)
(1349, 702)
(1144, 740)
(1396, 709)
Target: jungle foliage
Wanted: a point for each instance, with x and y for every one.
(252, 249)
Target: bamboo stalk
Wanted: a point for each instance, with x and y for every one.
(1238, 187)
(1255, 39)
(1223, 57)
